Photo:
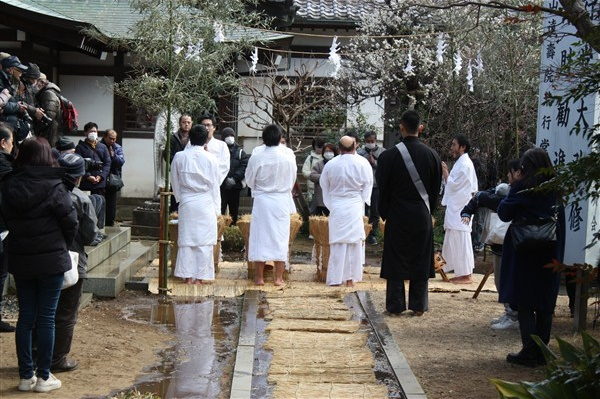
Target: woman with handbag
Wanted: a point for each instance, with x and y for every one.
(42, 221)
(526, 283)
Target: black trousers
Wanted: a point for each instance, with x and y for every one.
(534, 322)
(231, 199)
(418, 296)
(372, 212)
(3, 275)
(111, 206)
(65, 320)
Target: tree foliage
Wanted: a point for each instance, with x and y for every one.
(504, 96)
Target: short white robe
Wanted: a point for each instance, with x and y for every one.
(459, 189)
(195, 182)
(346, 181)
(271, 174)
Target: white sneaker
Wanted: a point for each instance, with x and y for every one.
(27, 384)
(507, 324)
(500, 319)
(48, 385)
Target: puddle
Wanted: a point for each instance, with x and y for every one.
(200, 363)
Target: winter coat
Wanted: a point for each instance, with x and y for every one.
(176, 145)
(11, 111)
(376, 152)
(86, 233)
(238, 161)
(48, 99)
(100, 153)
(524, 279)
(315, 176)
(118, 160)
(408, 238)
(42, 221)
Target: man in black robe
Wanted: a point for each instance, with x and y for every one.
(408, 239)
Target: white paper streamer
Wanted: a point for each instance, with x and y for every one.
(457, 63)
(219, 36)
(479, 63)
(441, 49)
(334, 57)
(254, 58)
(409, 69)
(193, 52)
(470, 76)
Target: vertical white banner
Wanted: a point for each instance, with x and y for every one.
(556, 123)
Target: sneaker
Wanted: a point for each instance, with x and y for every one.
(500, 319)
(5, 327)
(27, 384)
(507, 324)
(48, 385)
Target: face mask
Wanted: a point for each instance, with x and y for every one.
(92, 136)
(229, 140)
(328, 155)
(371, 146)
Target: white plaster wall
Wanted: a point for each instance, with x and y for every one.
(92, 98)
(138, 171)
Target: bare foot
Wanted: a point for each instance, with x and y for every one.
(349, 283)
(259, 282)
(198, 282)
(278, 283)
(189, 280)
(461, 280)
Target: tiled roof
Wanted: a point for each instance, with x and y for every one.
(333, 10)
(113, 18)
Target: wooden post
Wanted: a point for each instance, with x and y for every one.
(163, 243)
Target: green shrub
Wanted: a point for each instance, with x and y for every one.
(573, 375)
(232, 239)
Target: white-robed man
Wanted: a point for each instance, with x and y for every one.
(196, 185)
(346, 181)
(216, 147)
(270, 174)
(460, 185)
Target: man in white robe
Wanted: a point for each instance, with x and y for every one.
(346, 181)
(216, 147)
(460, 185)
(196, 180)
(270, 174)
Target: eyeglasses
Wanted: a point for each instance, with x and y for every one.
(206, 124)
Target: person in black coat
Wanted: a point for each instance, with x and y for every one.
(6, 165)
(232, 185)
(408, 238)
(42, 221)
(98, 168)
(525, 281)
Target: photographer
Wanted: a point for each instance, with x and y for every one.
(46, 95)
(14, 113)
(97, 165)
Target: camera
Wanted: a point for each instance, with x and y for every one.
(46, 120)
(92, 165)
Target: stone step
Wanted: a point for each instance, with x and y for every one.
(118, 237)
(143, 232)
(109, 277)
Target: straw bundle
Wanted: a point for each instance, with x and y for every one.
(319, 229)
(339, 378)
(314, 325)
(280, 339)
(223, 221)
(336, 359)
(317, 390)
(244, 225)
(310, 314)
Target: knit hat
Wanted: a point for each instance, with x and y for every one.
(226, 132)
(73, 164)
(64, 144)
(32, 72)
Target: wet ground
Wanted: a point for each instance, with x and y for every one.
(200, 363)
